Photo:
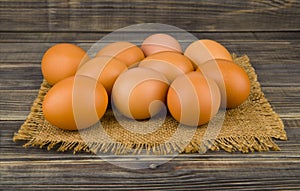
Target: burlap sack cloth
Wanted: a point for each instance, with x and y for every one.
(250, 127)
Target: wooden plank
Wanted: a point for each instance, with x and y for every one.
(15, 104)
(257, 50)
(192, 15)
(284, 75)
(15, 77)
(92, 37)
(174, 175)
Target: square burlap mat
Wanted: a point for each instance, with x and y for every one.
(250, 127)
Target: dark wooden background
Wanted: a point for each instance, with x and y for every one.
(267, 31)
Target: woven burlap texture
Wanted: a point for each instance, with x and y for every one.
(247, 128)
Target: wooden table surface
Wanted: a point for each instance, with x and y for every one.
(267, 31)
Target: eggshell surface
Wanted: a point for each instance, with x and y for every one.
(140, 92)
(104, 69)
(160, 42)
(171, 64)
(202, 51)
(75, 103)
(126, 52)
(61, 61)
(193, 99)
(232, 80)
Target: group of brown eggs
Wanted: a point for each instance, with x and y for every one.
(140, 80)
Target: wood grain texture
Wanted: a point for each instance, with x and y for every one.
(193, 15)
(267, 31)
(174, 175)
(33, 169)
(38, 169)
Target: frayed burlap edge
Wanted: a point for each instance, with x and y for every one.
(244, 144)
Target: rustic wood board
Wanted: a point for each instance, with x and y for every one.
(194, 15)
(267, 31)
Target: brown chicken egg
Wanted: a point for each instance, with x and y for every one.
(126, 52)
(105, 69)
(202, 51)
(139, 92)
(159, 43)
(232, 80)
(76, 102)
(171, 64)
(61, 61)
(193, 99)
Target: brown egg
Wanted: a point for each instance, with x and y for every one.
(232, 80)
(61, 61)
(126, 52)
(104, 69)
(139, 92)
(202, 51)
(76, 102)
(159, 43)
(193, 99)
(171, 64)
